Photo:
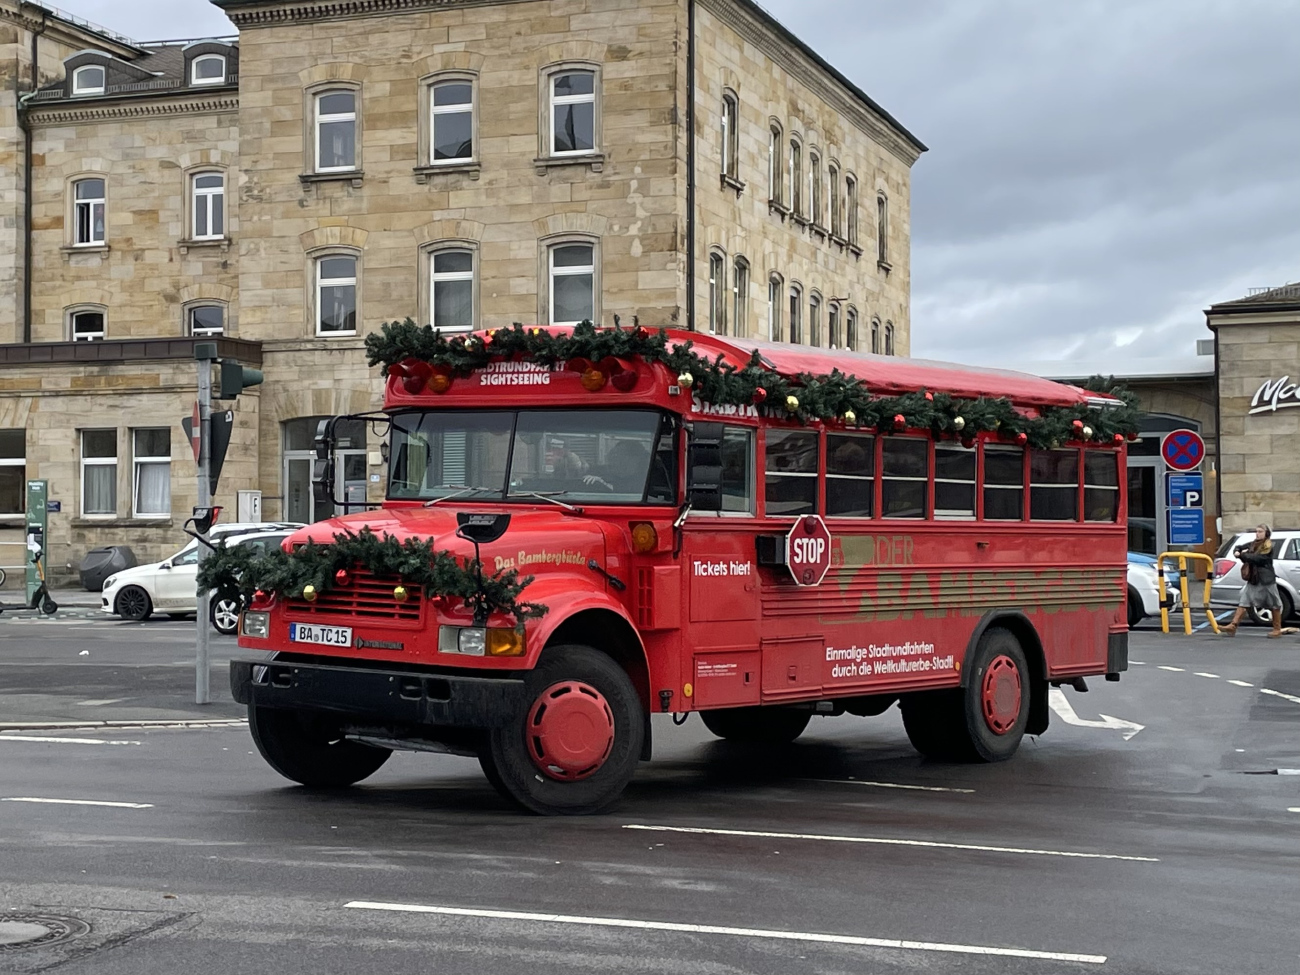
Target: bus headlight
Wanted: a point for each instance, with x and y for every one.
(257, 625)
(479, 641)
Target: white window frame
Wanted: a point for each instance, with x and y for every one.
(565, 272)
(851, 337)
(815, 214)
(321, 284)
(775, 153)
(882, 228)
(80, 89)
(717, 293)
(90, 203)
(194, 70)
(851, 206)
(775, 302)
(796, 314)
(836, 223)
(92, 336)
(137, 462)
(555, 100)
(189, 319)
(730, 134)
(875, 336)
(815, 320)
(98, 462)
(740, 297)
(796, 177)
(889, 338)
(448, 277)
(835, 326)
(201, 201)
(16, 462)
(318, 119)
(469, 108)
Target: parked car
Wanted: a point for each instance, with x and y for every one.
(1144, 588)
(1226, 588)
(170, 586)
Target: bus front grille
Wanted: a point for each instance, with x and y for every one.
(365, 596)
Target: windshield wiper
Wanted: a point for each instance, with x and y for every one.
(463, 490)
(548, 496)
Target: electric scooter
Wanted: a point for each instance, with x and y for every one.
(41, 598)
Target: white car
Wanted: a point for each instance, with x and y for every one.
(170, 586)
(1144, 591)
(1286, 565)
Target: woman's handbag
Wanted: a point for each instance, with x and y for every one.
(1245, 571)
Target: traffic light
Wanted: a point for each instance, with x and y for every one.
(236, 378)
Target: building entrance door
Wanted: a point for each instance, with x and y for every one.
(300, 503)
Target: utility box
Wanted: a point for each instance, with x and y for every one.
(248, 506)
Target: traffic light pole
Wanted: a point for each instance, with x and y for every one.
(202, 692)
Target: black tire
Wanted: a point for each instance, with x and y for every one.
(1264, 617)
(952, 725)
(517, 762)
(767, 726)
(134, 604)
(225, 616)
(308, 748)
(48, 606)
(1136, 612)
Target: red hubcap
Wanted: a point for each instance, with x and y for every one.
(1001, 694)
(570, 731)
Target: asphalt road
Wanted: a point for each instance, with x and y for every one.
(1173, 850)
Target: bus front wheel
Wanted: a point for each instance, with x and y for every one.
(983, 721)
(575, 744)
(310, 749)
(768, 726)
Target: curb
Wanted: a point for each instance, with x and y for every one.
(158, 723)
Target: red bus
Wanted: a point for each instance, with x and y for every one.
(743, 560)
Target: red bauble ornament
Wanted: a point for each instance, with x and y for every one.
(1118, 438)
(341, 578)
(1022, 438)
(1132, 437)
(930, 396)
(760, 394)
(640, 334)
(1077, 425)
(900, 421)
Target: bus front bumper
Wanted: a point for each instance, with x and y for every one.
(408, 697)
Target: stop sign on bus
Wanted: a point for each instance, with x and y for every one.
(808, 550)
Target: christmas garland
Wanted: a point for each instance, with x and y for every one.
(236, 572)
(834, 397)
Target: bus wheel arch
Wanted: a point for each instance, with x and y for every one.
(1019, 626)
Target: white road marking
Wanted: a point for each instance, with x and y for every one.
(100, 703)
(80, 802)
(805, 936)
(1201, 673)
(1176, 670)
(1241, 683)
(892, 785)
(1061, 705)
(1288, 771)
(888, 841)
(66, 741)
(1288, 697)
(1138, 663)
(162, 723)
(1293, 809)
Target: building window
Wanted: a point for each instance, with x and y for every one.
(776, 141)
(451, 106)
(905, 475)
(717, 294)
(1004, 483)
(99, 472)
(88, 219)
(573, 113)
(791, 481)
(573, 283)
(837, 228)
(796, 316)
(815, 319)
(350, 469)
(740, 298)
(730, 135)
(13, 471)
(86, 326)
(833, 318)
(88, 80)
(851, 321)
(889, 338)
(209, 203)
(206, 320)
(152, 477)
(336, 131)
(1054, 485)
(875, 336)
(850, 475)
(954, 481)
(336, 295)
(815, 214)
(210, 69)
(775, 296)
(451, 275)
(851, 206)
(882, 229)
(796, 177)
(1100, 486)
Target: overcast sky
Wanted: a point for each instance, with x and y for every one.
(1099, 170)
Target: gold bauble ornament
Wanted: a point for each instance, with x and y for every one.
(1087, 433)
(309, 593)
(792, 403)
(686, 380)
(850, 417)
(400, 593)
(958, 423)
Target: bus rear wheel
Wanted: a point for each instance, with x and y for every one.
(574, 746)
(983, 721)
(768, 726)
(310, 749)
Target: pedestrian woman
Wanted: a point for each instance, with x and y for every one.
(1260, 589)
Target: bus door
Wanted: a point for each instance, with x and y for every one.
(720, 570)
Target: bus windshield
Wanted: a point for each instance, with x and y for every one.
(590, 456)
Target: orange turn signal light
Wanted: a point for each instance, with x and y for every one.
(505, 641)
(644, 538)
(593, 380)
(439, 382)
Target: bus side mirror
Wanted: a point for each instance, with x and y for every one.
(704, 467)
(322, 472)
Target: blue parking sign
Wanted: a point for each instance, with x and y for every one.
(1186, 490)
(1186, 526)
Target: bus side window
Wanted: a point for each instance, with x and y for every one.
(791, 466)
(1004, 483)
(1100, 485)
(738, 470)
(905, 477)
(1054, 485)
(850, 474)
(954, 481)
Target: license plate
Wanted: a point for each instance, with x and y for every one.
(330, 636)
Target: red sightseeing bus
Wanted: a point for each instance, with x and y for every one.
(741, 559)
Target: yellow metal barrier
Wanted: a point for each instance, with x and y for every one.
(1182, 558)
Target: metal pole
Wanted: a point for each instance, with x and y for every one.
(201, 670)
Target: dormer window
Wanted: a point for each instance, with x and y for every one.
(210, 69)
(88, 80)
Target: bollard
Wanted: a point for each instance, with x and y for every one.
(1182, 558)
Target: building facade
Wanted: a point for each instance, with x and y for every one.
(464, 163)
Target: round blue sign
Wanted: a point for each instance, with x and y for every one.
(1183, 450)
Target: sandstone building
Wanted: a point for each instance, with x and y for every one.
(469, 163)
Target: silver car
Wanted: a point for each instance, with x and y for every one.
(1286, 562)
